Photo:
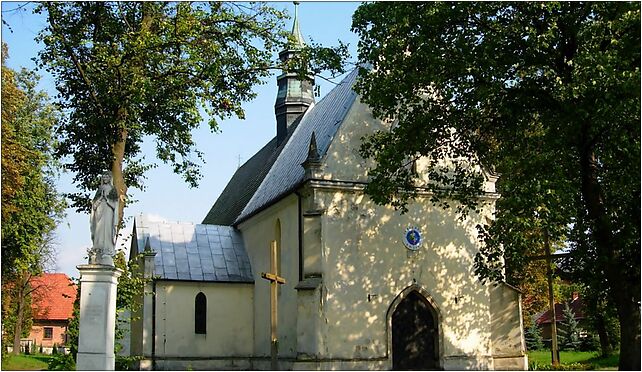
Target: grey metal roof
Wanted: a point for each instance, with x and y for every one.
(185, 251)
(324, 119)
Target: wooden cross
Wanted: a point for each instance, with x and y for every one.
(555, 361)
(275, 279)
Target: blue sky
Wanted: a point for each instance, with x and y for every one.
(167, 196)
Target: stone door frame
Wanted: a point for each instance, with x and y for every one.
(436, 315)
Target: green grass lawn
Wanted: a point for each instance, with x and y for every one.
(25, 363)
(572, 360)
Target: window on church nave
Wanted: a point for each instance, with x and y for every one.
(200, 314)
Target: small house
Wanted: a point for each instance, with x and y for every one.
(52, 305)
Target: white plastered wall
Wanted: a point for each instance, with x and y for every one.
(229, 320)
(258, 232)
(363, 254)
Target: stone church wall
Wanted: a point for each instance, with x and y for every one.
(228, 341)
(366, 267)
(279, 222)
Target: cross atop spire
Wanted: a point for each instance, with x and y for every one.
(299, 41)
(295, 94)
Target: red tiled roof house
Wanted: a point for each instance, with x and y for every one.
(52, 306)
(576, 306)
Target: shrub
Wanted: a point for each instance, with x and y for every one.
(61, 362)
(590, 343)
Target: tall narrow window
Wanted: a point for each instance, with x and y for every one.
(277, 237)
(200, 314)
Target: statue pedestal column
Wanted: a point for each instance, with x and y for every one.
(97, 317)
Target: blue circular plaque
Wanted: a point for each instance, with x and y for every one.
(412, 238)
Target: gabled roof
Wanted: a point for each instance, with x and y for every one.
(242, 186)
(185, 251)
(274, 172)
(576, 306)
(53, 296)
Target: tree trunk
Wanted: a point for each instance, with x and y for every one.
(118, 151)
(17, 327)
(629, 315)
(625, 292)
(605, 342)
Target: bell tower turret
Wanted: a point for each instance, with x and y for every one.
(294, 96)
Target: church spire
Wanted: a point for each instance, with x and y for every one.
(294, 96)
(299, 41)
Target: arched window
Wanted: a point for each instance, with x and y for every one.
(200, 314)
(277, 237)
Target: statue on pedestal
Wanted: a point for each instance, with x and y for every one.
(104, 222)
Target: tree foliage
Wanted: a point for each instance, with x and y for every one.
(129, 72)
(30, 203)
(545, 94)
(533, 282)
(569, 332)
(533, 337)
(17, 313)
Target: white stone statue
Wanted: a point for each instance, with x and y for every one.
(104, 222)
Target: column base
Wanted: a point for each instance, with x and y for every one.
(95, 362)
(96, 336)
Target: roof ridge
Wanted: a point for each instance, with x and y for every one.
(286, 145)
(310, 114)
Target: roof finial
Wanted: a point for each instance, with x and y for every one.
(299, 42)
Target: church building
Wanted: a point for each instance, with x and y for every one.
(294, 242)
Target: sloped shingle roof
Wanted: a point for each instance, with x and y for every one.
(274, 171)
(53, 296)
(242, 186)
(185, 251)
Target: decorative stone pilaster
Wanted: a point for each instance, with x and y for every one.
(97, 317)
(146, 364)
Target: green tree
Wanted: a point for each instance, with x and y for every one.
(17, 316)
(599, 306)
(73, 330)
(545, 94)
(533, 282)
(569, 332)
(129, 72)
(131, 288)
(533, 336)
(30, 203)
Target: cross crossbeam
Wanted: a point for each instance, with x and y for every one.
(273, 278)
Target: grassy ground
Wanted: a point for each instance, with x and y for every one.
(572, 360)
(25, 363)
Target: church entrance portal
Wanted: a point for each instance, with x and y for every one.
(414, 335)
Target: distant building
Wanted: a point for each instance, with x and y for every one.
(52, 306)
(577, 307)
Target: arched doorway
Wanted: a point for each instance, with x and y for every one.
(415, 341)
